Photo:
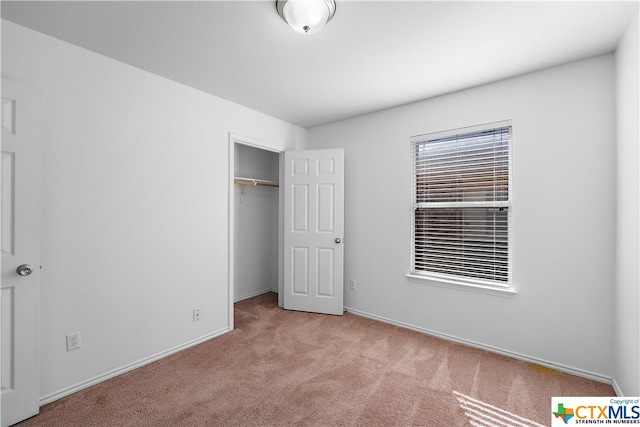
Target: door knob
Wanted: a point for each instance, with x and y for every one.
(338, 240)
(24, 270)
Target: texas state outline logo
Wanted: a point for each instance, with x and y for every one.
(565, 414)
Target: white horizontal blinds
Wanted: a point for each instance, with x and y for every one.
(460, 212)
(470, 167)
(467, 242)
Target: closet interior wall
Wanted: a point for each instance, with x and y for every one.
(256, 223)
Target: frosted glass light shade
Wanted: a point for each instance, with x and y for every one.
(306, 16)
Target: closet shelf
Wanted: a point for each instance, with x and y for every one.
(255, 182)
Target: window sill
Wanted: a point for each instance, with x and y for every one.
(471, 287)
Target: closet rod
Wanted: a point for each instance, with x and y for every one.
(255, 182)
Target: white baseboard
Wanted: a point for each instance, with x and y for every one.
(114, 373)
(253, 294)
(616, 388)
(556, 366)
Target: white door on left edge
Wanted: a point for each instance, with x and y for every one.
(314, 230)
(20, 253)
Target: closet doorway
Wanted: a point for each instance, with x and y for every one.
(254, 219)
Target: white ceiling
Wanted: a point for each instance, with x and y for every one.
(371, 56)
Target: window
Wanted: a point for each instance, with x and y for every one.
(460, 206)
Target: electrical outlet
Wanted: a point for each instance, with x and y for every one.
(352, 284)
(196, 315)
(73, 341)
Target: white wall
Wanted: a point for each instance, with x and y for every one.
(134, 199)
(563, 216)
(627, 317)
(256, 223)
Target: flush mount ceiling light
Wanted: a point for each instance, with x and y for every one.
(306, 16)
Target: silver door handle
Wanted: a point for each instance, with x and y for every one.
(24, 270)
(338, 240)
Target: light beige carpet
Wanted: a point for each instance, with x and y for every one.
(289, 368)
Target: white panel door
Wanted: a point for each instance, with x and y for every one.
(20, 298)
(313, 230)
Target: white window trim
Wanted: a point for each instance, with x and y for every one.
(431, 279)
(469, 284)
